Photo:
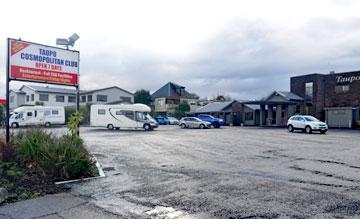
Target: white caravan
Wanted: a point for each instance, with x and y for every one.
(128, 116)
(37, 115)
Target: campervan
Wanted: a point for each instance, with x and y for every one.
(37, 115)
(124, 116)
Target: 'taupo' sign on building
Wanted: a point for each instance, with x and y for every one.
(348, 79)
(45, 64)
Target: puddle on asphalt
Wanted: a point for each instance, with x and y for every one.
(162, 212)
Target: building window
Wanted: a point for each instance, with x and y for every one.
(309, 89)
(89, 98)
(126, 99)
(32, 97)
(249, 116)
(27, 98)
(44, 97)
(160, 102)
(101, 112)
(12, 99)
(72, 99)
(60, 98)
(83, 99)
(101, 98)
(342, 88)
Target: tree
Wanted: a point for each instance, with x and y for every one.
(73, 123)
(142, 96)
(182, 109)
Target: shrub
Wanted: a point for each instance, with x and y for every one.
(59, 157)
(2, 110)
(85, 110)
(7, 150)
(357, 123)
(73, 123)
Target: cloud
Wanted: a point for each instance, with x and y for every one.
(245, 59)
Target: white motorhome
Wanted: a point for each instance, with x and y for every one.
(127, 116)
(37, 115)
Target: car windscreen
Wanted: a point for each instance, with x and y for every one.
(311, 119)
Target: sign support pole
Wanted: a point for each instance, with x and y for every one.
(8, 92)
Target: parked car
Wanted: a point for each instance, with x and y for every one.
(216, 122)
(173, 121)
(162, 120)
(307, 124)
(193, 122)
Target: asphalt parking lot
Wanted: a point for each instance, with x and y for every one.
(232, 172)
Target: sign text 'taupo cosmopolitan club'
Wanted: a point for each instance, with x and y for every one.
(40, 63)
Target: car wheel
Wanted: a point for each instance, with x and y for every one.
(323, 132)
(308, 129)
(202, 126)
(147, 127)
(47, 124)
(183, 126)
(110, 126)
(14, 125)
(290, 128)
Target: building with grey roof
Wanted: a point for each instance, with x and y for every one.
(276, 108)
(169, 96)
(57, 96)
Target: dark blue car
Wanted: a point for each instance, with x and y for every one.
(162, 120)
(216, 122)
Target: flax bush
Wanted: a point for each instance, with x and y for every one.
(59, 157)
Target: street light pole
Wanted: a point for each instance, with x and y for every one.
(70, 42)
(8, 93)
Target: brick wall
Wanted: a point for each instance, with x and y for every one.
(324, 91)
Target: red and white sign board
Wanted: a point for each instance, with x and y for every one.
(44, 64)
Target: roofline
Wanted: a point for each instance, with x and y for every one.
(96, 90)
(264, 102)
(311, 74)
(178, 85)
(278, 92)
(326, 74)
(27, 87)
(230, 102)
(48, 92)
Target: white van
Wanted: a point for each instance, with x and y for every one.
(127, 116)
(37, 115)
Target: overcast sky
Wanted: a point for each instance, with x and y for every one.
(244, 49)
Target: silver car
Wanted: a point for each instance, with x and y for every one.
(193, 122)
(173, 121)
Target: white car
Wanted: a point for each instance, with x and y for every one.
(307, 124)
(173, 121)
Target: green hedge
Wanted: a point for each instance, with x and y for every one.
(357, 124)
(85, 110)
(59, 157)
